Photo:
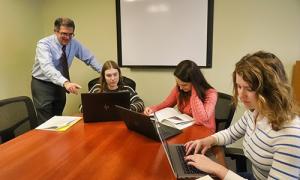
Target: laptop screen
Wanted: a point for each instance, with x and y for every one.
(101, 106)
(164, 143)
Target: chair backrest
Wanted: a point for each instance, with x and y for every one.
(17, 116)
(92, 83)
(126, 81)
(224, 114)
(224, 111)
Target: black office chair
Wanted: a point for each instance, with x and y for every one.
(126, 81)
(17, 116)
(224, 113)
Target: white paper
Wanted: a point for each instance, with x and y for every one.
(59, 123)
(207, 177)
(173, 118)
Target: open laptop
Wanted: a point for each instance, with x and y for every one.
(144, 125)
(99, 107)
(175, 154)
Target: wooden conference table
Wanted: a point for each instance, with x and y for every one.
(104, 150)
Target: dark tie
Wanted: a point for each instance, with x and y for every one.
(64, 63)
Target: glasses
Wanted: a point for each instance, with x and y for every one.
(70, 35)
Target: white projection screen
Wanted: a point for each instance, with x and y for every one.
(161, 33)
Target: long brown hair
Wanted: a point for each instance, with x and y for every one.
(109, 65)
(188, 71)
(265, 74)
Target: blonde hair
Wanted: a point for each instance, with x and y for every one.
(265, 74)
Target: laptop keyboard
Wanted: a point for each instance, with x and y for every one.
(188, 169)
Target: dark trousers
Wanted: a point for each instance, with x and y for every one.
(49, 99)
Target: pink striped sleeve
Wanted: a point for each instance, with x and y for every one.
(204, 112)
(170, 101)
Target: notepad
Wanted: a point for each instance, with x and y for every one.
(172, 117)
(59, 123)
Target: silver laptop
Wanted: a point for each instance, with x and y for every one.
(175, 154)
(144, 125)
(97, 107)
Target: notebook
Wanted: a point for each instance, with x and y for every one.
(175, 154)
(97, 107)
(144, 125)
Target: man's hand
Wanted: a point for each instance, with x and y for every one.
(72, 87)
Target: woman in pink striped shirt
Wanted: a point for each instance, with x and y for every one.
(192, 94)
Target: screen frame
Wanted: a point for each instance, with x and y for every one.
(209, 40)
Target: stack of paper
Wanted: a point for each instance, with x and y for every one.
(59, 123)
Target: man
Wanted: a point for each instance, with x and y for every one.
(50, 73)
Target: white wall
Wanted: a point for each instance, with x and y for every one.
(240, 27)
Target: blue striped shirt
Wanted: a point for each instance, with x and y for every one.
(274, 154)
(47, 65)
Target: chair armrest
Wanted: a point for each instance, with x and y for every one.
(234, 151)
(237, 154)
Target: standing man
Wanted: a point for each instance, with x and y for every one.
(50, 73)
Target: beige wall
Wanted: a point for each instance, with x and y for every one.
(240, 27)
(20, 27)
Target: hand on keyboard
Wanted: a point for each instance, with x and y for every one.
(200, 162)
(207, 165)
(200, 145)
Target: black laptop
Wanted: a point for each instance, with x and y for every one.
(175, 154)
(144, 125)
(97, 107)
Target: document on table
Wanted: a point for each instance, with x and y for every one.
(59, 123)
(207, 177)
(172, 117)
